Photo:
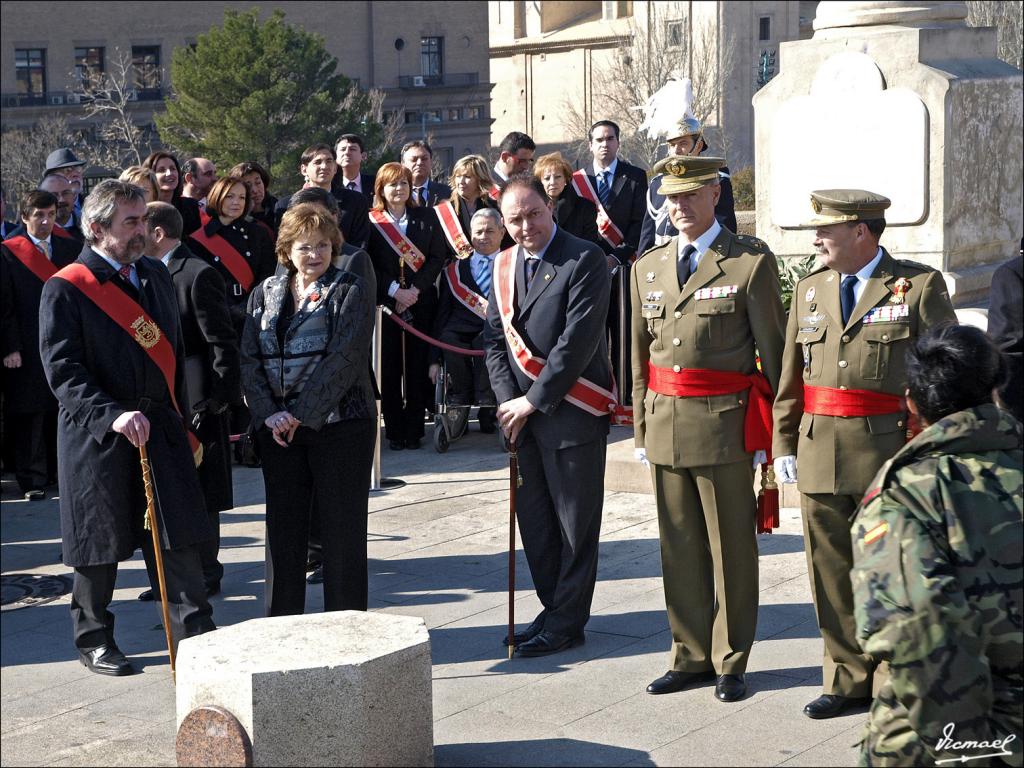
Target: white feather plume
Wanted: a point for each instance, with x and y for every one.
(667, 106)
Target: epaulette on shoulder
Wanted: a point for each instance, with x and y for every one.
(755, 243)
(649, 251)
(914, 265)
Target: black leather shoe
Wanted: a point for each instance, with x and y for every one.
(673, 681)
(545, 643)
(730, 688)
(525, 636)
(317, 576)
(146, 596)
(414, 444)
(396, 445)
(830, 705)
(106, 660)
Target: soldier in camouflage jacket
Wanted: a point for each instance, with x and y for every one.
(937, 583)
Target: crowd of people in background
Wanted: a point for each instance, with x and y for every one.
(245, 334)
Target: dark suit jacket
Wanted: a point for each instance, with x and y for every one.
(25, 388)
(424, 230)
(97, 372)
(451, 313)
(655, 224)
(190, 218)
(353, 219)
(366, 181)
(625, 208)
(1005, 328)
(562, 319)
(436, 192)
(207, 331)
(577, 216)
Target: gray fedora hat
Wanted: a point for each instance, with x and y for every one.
(61, 158)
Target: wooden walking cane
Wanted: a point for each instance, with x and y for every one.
(515, 480)
(151, 525)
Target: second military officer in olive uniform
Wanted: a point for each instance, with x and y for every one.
(840, 408)
(702, 303)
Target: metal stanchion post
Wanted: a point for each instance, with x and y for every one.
(377, 481)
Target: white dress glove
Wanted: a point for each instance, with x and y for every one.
(760, 457)
(785, 469)
(640, 454)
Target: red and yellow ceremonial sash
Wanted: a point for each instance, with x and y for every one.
(59, 231)
(828, 401)
(35, 260)
(611, 233)
(469, 298)
(584, 394)
(453, 230)
(399, 243)
(137, 323)
(701, 382)
(229, 256)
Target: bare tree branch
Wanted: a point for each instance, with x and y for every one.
(107, 99)
(1007, 16)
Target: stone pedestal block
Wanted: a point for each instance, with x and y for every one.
(341, 688)
(903, 99)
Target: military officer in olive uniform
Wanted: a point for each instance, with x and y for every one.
(702, 303)
(840, 410)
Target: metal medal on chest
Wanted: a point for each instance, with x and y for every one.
(650, 277)
(809, 296)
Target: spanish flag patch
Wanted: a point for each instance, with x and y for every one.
(876, 533)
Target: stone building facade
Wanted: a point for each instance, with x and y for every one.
(430, 58)
(545, 54)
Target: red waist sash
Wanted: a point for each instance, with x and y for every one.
(701, 382)
(137, 323)
(27, 253)
(232, 260)
(828, 401)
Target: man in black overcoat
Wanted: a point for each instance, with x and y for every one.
(26, 260)
(560, 303)
(211, 366)
(1006, 328)
(114, 398)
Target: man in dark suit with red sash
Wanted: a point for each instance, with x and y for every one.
(548, 362)
(111, 347)
(28, 260)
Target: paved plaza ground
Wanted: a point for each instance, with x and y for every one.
(438, 550)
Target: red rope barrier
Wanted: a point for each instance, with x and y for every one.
(432, 341)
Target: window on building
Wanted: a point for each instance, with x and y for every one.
(30, 71)
(765, 28)
(412, 117)
(453, 114)
(474, 113)
(431, 115)
(432, 58)
(146, 61)
(443, 157)
(674, 34)
(89, 66)
(616, 9)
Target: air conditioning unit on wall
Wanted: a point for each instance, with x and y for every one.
(418, 81)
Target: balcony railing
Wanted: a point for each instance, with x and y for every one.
(451, 80)
(70, 98)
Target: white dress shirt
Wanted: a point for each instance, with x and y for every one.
(610, 170)
(702, 243)
(862, 276)
(117, 267)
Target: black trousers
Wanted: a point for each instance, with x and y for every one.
(35, 447)
(559, 512)
(333, 466)
(619, 343)
(403, 422)
(190, 611)
(469, 380)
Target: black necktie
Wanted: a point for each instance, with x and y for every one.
(531, 269)
(847, 297)
(683, 264)
(421, 195)
(351, 185)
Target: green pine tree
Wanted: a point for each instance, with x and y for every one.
(264, 92)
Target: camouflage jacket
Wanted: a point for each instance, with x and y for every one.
(937, 581)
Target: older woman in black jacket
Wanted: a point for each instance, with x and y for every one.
(304, 350)
(572, 213)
